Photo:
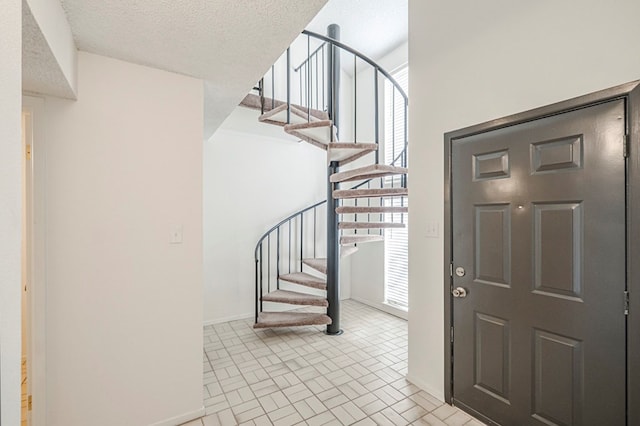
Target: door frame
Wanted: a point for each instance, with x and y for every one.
(630, 93)
(34, 107)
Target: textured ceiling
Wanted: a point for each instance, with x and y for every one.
(373, 27)
(228, 43)
(40, 71)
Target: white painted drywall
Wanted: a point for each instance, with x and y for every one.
(124, 307)
(10, 209)
(253, 178)
(57, 61)
(477, 61)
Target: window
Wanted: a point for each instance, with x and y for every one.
(396, 247)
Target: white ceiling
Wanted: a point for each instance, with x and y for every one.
(373, 27)
(40, 70)
(228, 43)
(209, 39)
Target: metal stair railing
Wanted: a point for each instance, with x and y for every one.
(293, 237)
(318, 89)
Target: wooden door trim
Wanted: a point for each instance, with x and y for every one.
(35, 106)
(630, 92)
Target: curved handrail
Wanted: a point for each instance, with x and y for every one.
(360, 55)
(277, 230)
(282, 222)
(378, 68)
(398, 157)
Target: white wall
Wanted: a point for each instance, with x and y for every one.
(475, 61)
(124, 312)
(10, 209)
(254, 176)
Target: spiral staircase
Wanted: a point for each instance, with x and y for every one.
(297, 262)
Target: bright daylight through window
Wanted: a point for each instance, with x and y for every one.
(396, 249)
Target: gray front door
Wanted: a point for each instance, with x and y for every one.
(538, 244)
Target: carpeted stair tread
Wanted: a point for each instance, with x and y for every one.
(295, 298)
(346, 152)
(370, 225)
(252, 101)
(299, 115)
(305, 279)
(308, 125)
(367, 193)
(368, 172)
(358, 239)
(371, 209)
(290, 319)
(317, 133)
(319, 264)
(267, 116)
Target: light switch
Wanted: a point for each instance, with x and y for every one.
(175, 237)
(432, 230)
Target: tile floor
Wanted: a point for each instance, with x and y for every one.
(300, 376)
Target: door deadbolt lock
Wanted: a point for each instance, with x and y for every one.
(460, 271)
(459, 292)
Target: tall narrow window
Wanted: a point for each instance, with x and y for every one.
(396, 247)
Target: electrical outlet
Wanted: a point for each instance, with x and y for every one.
(432, 230)
(175, 236)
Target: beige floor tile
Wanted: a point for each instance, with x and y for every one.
(413, 414)
(281, 413)
(474, 422)
(428, 404)
(293, 376)
(431, 420)
(211, 420)
(444, 411)
(322, 419)
(381, 420)
(250, 414)
(289, 420)
(310, 407)
(262, 421)
(459, 418)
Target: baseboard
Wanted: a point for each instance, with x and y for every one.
(384, 308)
(428, 389)
(227, 319)
(183, 418)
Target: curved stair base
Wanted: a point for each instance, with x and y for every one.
(290, 319)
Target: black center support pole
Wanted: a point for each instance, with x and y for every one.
(333, 256)
(333, 65)
(333, 237)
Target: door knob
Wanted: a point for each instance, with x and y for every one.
(459, 292)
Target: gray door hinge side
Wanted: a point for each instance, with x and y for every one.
(626, 147)
(626, 302)
(451, 334)
(451, 269)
